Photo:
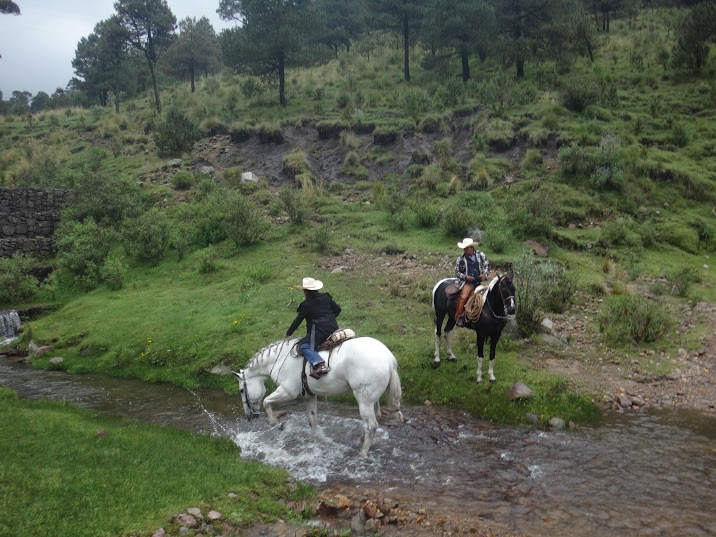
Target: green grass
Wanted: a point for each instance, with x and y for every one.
(70, 472)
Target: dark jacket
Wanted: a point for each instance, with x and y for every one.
(320, 312)
(461, 268)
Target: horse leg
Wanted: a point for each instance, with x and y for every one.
(370, 424)
(312, 410)
(480, 356)
(448, 342)
(278, 396)
(493, 347)
(438, 328)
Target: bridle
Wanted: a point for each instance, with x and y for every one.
(504, 301)
(254, 408)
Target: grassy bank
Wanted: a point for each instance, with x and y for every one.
(69, 472)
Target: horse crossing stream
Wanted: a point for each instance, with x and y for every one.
(641, 474)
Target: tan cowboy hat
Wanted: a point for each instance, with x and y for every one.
(468, 242)
(311, 285)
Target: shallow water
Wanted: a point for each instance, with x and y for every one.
(638, 474)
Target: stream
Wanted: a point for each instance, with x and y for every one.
(648, 473)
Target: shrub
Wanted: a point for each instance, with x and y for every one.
(251, 87)
(294, 203)
(113, 273)
(16, 283)
(579, 94)
(682, 280)
(497, 238)
(399, 220)
(106, 199)
(175, 134)
(633, 319)
(83, 248)
(147, 237)
(540, 286)
(608, 174)
(455, 220)
(321, 238)
(207, 261)
(426, 215)
(560, 288)
(620, 232)
(244, 222)
(575, 161)
(183, 180)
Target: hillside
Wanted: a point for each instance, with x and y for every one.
(368, 182)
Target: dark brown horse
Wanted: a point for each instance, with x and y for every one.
(499, 306)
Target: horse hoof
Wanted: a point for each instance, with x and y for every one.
(453, 359)
(492, 381)
(478, 381)
(436, 364)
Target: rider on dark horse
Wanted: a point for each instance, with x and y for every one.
(470, 269)
(320, 312)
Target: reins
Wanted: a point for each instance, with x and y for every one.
(487, 300)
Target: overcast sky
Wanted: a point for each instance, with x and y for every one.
(38, 46)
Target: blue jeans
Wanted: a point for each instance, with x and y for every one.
(310, 355)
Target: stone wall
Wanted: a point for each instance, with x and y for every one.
(28, 218)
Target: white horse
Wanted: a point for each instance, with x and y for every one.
(362, 365)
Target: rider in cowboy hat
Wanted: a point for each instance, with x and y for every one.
(470, 269)
(320, 312)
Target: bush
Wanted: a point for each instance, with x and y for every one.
(321, 238)
(575, 162)
(620, 232)
(633, 319)
(540, 286)
(455, 220)
(106, 199)
(579, 94)
(113, 272)
(147, 237)
(183, 180)
(207, 261)
(16, 284)
(426, 215)
(83, 248)
(294, 203)
(244, 223)
(175, 134)
(497, 238)
(608, 174)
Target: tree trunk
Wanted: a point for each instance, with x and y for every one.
(281, 81)
(520, 63)
(465, 64)
(157, 101)
(406, 50)
(191, 75)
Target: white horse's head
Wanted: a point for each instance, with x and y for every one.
(252, 391)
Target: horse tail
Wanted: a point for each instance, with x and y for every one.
(395, 391)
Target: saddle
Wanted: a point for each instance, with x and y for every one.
(473, 306)
(336, 338)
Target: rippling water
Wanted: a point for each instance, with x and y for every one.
(639, 474)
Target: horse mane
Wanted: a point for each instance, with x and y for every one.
(258, 358)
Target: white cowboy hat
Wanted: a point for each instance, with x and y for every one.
(468, 242)
(311, 285)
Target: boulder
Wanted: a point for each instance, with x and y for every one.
(249, 177)
(519, 391)
(557, 423)
(538, 248)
